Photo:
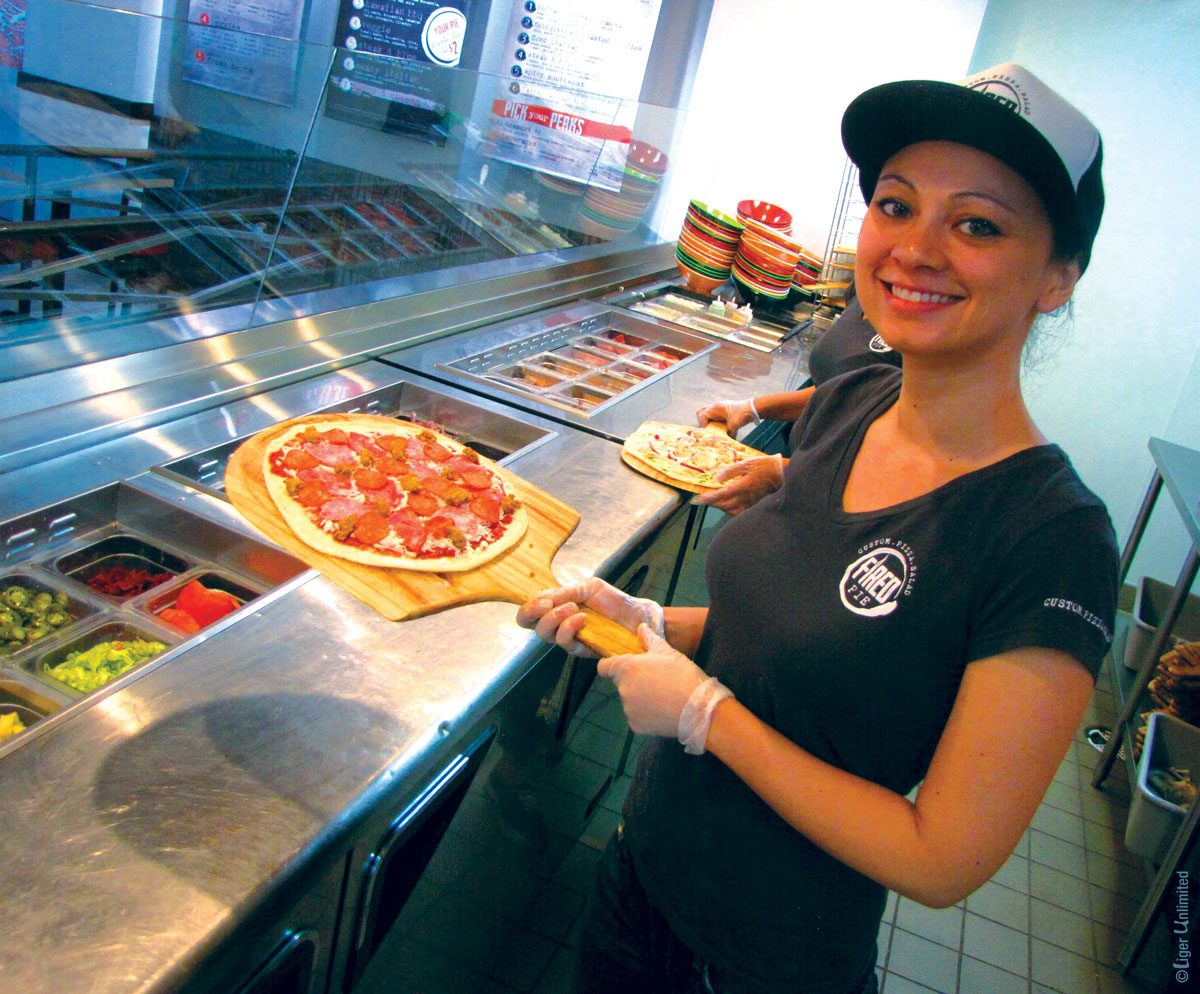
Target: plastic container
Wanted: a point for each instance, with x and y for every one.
(1150, 604)
(1153, 822)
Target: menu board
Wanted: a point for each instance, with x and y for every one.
(248, 47)
(387, 72)
(572, 75)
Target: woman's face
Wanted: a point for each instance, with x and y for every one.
(954, 254)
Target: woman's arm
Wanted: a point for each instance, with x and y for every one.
(1011, 724)
(785, 406)
(683, 627)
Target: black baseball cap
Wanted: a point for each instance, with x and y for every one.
(1005, 111)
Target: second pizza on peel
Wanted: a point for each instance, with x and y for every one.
(688, 456)
(390, 493)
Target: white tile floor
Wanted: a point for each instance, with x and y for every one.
(497, 910)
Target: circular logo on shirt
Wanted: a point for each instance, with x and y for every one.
(877, 344)
(443, 34)
(873, 583)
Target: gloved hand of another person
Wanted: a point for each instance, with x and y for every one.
(734, 413)
(555, 614)
(744, 483)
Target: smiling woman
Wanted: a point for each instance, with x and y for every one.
(887, 617)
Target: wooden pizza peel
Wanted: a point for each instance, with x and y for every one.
(399, 594)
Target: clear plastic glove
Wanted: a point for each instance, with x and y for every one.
(655, 685)
(734, 413)
(556, 616)
(744, 483)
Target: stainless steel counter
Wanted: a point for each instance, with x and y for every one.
(136, 833)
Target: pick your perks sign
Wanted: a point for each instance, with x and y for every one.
(571, 74)
(248, 48)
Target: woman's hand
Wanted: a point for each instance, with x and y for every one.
(734, 413)
(556, 616)
(744, 483)
(655, 685)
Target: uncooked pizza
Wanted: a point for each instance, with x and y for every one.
(688, 455)
(391, 493)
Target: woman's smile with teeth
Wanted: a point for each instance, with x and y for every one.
(918, 297)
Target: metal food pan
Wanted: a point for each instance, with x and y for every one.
(530, 375)
(37, 666)
(493, 435)
(633, 370)
(658, 349)
(77, 607)
(74, 533)
(161, 598)
(591, 357)
(30, 705)
(559, 364)
(690, 309)
(614, 341)
(582, 396)
(126, 551)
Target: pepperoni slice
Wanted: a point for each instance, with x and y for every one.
(438, 485)
(371, 528)
(298, 459)
(437, 452)
(312, 494)
(486, 508)
(391, 466)
(335, 436)
(369, 479)
(477, 479)
(423, 504)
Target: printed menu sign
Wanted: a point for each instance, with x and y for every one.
(249, 48)
(424, 30)
(572, 73)
(387, 72)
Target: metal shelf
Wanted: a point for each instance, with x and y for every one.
(1178, 469)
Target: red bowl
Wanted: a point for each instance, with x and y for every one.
(767, 213)
(766, 232)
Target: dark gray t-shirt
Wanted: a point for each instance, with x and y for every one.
(849, 634)
(849, 343)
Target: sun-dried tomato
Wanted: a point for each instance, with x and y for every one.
(123, 581)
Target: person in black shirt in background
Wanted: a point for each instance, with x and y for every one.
(900, 640)
(849, 343)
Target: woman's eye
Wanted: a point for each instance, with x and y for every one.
(978, 226)
(892, 207)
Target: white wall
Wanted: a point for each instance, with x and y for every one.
(1131, 366)
(773, 80)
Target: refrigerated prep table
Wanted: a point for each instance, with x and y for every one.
(240, 794)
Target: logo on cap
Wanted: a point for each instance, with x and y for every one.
(1003, 92)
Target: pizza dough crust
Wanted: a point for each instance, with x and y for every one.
(311, 534)
(716, 450)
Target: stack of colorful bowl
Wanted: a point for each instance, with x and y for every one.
(808, 273)
(609, 214)
(707, 244)
(765, 213)
(765, 264)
